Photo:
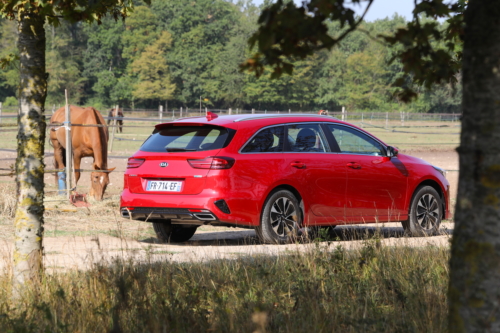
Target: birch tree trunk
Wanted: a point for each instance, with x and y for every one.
(474, 290)
(27, 257)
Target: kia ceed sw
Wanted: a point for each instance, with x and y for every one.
(279, 174)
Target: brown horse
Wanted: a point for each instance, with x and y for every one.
(119, 117)
(86, 141)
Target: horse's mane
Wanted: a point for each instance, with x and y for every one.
(103, 135)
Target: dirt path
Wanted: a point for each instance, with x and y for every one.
(82, 252)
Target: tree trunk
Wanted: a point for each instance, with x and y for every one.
(474, 290)
(27, 258)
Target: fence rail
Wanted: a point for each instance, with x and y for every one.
(163, 114)
(363, 119)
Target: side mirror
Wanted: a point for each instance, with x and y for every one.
(392, 151)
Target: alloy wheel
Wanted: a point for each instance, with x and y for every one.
(427, 211)
(283, 217)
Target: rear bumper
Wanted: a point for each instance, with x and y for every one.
(179, 209)
(175, 215)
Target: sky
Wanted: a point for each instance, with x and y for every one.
(380, 9)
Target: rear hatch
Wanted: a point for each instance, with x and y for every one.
(176, 159)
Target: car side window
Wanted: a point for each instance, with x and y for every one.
(306, 138)
(351, 141)
(268, 140)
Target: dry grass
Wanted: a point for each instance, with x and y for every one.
(375, 289)
(102, 217)
(64, 219)
(7, 201)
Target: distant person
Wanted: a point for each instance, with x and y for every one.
(119, 118)
(323, 113)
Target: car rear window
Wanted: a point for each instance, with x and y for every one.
(269, 140)
(188, 138)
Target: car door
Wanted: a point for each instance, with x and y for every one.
(376, 184)
(319, 173)
(258, 168)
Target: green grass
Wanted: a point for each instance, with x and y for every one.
(376, 289)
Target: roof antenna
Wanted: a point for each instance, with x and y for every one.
(211, 116)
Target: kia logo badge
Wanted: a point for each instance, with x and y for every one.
(163, 164)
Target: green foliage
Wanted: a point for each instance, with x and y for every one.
(10, 101)
(325, 289)
(9, 59)
(126, 63)
(65, 45)
(428, 50)
(153, 78)
(71, 10)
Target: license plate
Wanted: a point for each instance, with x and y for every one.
(164, 186)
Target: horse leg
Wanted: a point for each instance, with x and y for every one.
(77, 159)
(59, 153)
(120, 125)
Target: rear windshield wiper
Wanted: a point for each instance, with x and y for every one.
(178, 149)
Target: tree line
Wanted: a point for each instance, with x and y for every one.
(180, 54)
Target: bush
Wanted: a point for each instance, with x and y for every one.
(11, 101)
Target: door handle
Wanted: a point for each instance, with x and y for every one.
(298, 165)
(353, 165)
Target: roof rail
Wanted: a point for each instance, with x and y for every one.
(278, 115)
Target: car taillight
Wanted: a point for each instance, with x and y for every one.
(212, 162)
(134, 162)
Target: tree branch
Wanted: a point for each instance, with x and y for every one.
(353, 27)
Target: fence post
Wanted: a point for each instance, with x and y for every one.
(180, 113)
(289, 111)
(253, 111)
(0, 112)
(386, 120)
(343, 113)
(113, 130)
(160, 112)
(69, 147)
(230, 110)
(362, 119)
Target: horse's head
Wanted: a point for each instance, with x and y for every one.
(99, 180)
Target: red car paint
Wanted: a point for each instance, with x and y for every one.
(334, 187)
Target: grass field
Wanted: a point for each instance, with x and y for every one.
(415, 135)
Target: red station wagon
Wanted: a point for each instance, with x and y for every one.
(278, 174)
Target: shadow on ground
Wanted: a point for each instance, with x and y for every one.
(248, 237)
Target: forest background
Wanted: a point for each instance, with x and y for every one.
(178, 53)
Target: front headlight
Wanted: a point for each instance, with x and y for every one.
(441, 171)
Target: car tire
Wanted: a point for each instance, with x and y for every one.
(171, 233)
(281, 218)
(426, 211)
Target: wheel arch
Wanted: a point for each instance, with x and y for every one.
(290, 188)
(435, 185)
